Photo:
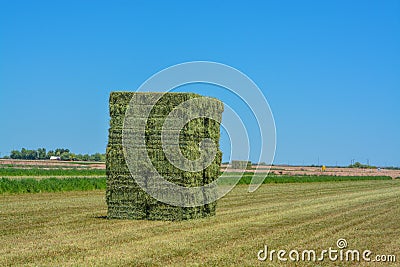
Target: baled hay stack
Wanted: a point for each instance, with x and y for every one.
(125, 198)
(241, 164)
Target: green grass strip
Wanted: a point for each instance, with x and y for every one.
(30, 185)
(311, 178)
(50, 172)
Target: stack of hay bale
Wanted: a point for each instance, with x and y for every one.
(125, 198)
(241, 164)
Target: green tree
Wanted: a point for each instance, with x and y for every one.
(41, 153)
(96, 157)
(15, 154)
(50, 154)
(60, 151)
(65, 156)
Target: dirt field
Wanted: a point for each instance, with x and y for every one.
(52, 163)
(276, 169)
(299, 170)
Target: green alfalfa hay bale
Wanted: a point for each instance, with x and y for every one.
(192, 213)
(157, 110)
(119, 101)
(116, 160)
(240, 164)
(157, 144)
(123, 183)
(126, 210)
(125, 194)
(117, 122)
(141, 111)
(118, 169)
(158, 124)
(118, 181)
(131, 213)
(236, 164)
(164, 106)
(166, 99)
(123, 99)
(114, 152)
(176, 176)
(161, 98)
(156, 133)
(211, 126)
(164, 212)
(187, 179)
(212, 171)
(118, 109)
(209, 209)
(193, 129)
(160, 191)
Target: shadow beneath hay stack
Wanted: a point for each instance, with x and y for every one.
(101, 217)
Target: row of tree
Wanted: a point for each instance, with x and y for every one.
(64, 154)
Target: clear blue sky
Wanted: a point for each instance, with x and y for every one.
(329, 69)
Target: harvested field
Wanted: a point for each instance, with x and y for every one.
(305, 170)
(19, 163)
(70, 228)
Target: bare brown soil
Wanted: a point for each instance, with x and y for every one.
(276, 169)
(53, 163)
(336, 171)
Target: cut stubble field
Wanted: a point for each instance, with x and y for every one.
(69, 228)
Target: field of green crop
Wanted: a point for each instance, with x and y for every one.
(70, 229)
(246, 178)
(20, 172)
(90, 182)
(30, 185)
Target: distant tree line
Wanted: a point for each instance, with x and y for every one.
(63, 153)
